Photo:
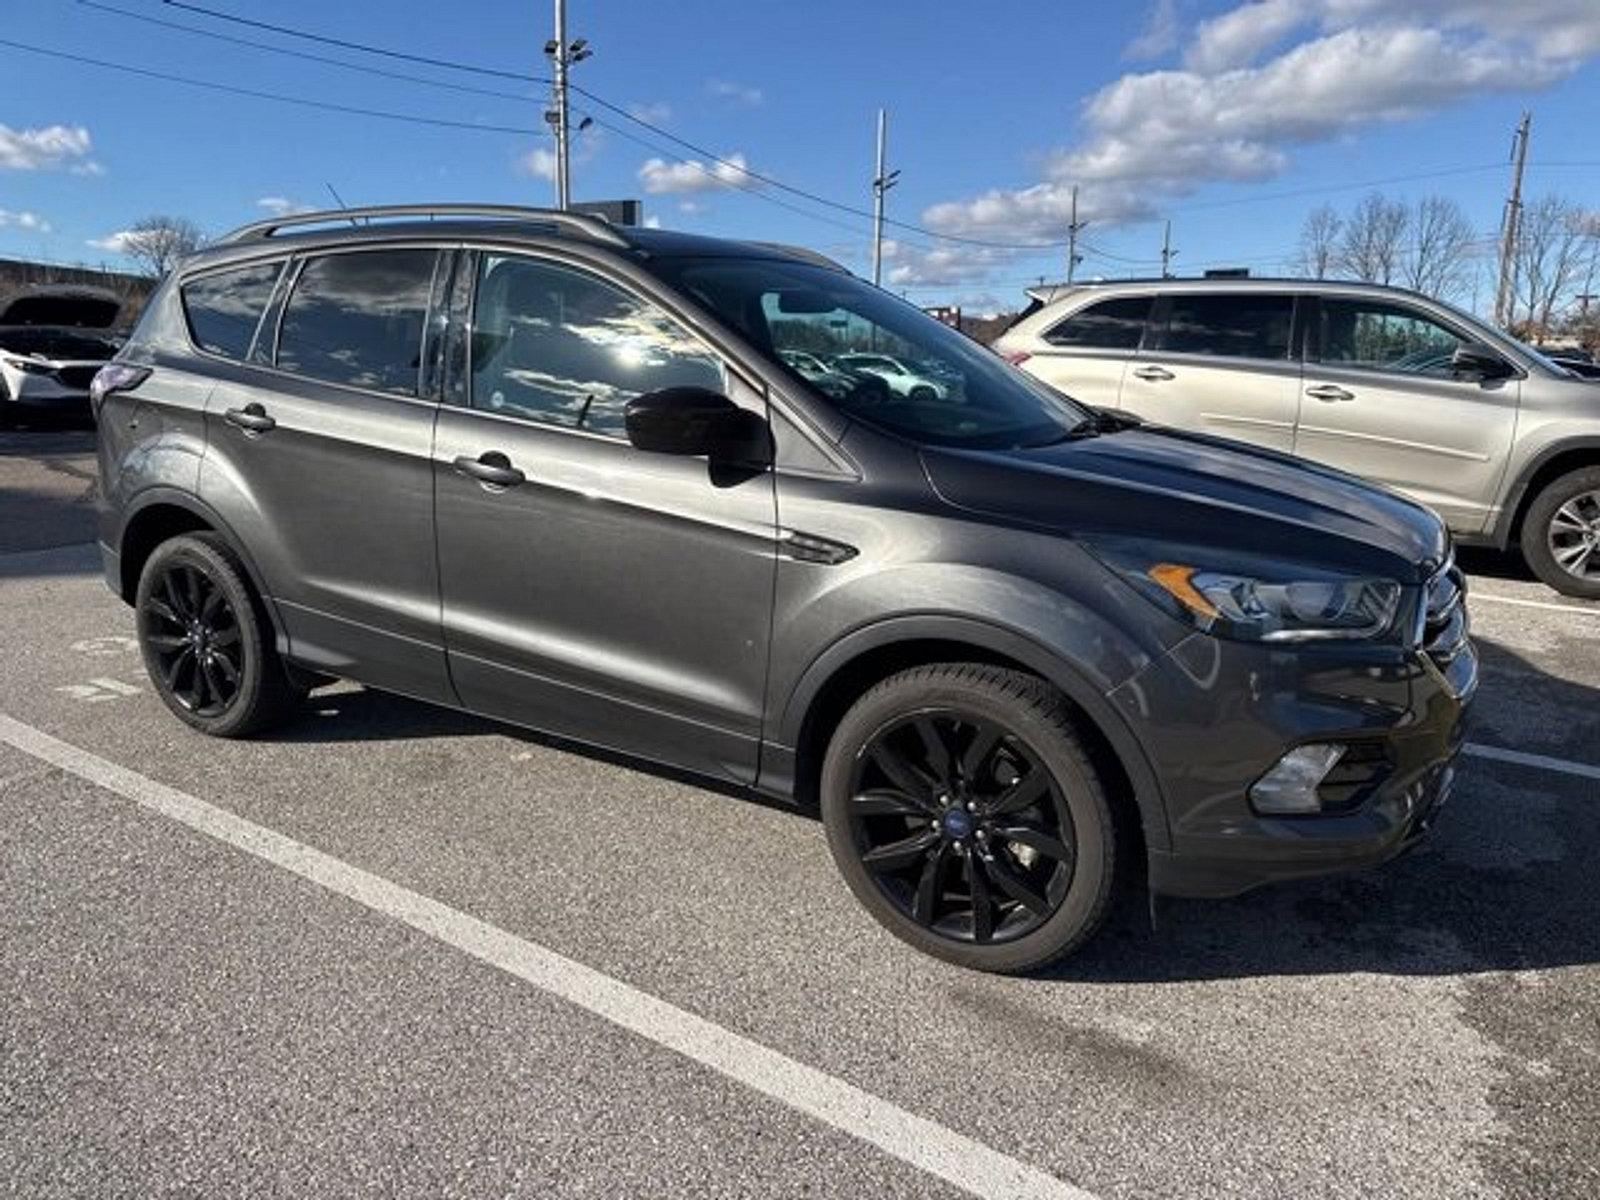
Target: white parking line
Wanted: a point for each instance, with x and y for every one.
(1523, 759)
(924, 1144)
(1474, 597)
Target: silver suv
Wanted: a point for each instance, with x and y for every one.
(1382, 382)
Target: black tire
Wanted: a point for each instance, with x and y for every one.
(923, 394)
(1578, 493)
(867, 814)
(194, 603)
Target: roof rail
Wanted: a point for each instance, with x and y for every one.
(584, 224)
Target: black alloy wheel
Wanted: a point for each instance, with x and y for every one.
(192, 631)
(962, 826)
(963, 810)
(207, 645)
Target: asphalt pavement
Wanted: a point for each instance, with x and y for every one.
(396, 950)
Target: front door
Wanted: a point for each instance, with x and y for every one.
(1382, 401)
(1220, 363)
(590, 589)
(320, 453)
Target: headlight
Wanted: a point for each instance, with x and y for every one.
(1254, 606)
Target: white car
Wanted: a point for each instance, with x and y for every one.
(901, 379)
(53, 341)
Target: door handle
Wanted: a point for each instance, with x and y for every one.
(252, 418)
(491, 468)
(1329, 392)
(1154, 374)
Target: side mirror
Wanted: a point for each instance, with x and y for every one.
(1474, 360)
(696, 421)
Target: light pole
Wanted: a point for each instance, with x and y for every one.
(881, 183)
(562, 56)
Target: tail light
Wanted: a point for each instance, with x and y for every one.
(115, 377)
(1017, 357)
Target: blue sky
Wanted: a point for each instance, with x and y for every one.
(1231, 119)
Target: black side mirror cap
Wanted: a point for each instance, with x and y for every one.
(1474, 360)
(697, 421)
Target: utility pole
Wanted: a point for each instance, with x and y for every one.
(1073, 227)
(562, 56)
(1505, 297)
(1167, 252)
(881, 183)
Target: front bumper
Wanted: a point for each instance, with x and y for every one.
(1214, 731)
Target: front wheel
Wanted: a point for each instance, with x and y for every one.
(964, 814)
(206, 646)
(1561, 534)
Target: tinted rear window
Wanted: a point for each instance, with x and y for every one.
(225, 308)
(357, 319)
(1108, 325)
(1238, 325)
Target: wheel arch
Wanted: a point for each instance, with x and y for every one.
(1554, 461)
(159, 514)
(862, 658)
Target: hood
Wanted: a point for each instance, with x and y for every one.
(1189, 489)
(62, 308)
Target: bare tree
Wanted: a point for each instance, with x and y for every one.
(1555, 239)
(158, 243)
(1373, 244)
(1438, 259)
(1319, 242)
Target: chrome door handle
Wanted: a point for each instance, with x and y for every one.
(252, 418)
(1327, 391)
(1154, 374)
(491, 468)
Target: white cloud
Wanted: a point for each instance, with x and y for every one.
(282, 206)
(1163, 26)
(43, 149)
(652, 222)
(1331, 69)
(660, 177)
(30, 221)
(115, 243)
(692, 208)
(89, 167)
(539, 163)
(938, 266)
(657, 113)
(735, 93)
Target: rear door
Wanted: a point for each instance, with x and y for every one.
(1222, 363)
(1382, 401)
(590, 589)
(319, 457)
(1086, 354)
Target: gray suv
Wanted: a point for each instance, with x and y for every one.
(563, 475)
(1503, 443)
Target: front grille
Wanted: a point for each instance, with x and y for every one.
(1357, 774)
(1444, 621)
(78, 377)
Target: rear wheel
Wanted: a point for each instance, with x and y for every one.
(963, 813)
(1561, 534)
(206, 646)
(923, 394)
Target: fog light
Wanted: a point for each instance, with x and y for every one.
(1291, 785)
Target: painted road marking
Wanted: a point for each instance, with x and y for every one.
(106, 647)
(953, 1157)
(1474, 597)
(1523, 759)
(98, 690)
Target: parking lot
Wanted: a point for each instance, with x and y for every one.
(398, 950)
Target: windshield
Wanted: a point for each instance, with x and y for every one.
(882, 361)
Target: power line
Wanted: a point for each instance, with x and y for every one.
(307, 56)
(279, 97)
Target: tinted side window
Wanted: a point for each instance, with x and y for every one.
(1237, 325)
(1385, 337)
(224, 308)
(1109, 325)
(357, 319)
(557, 345)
